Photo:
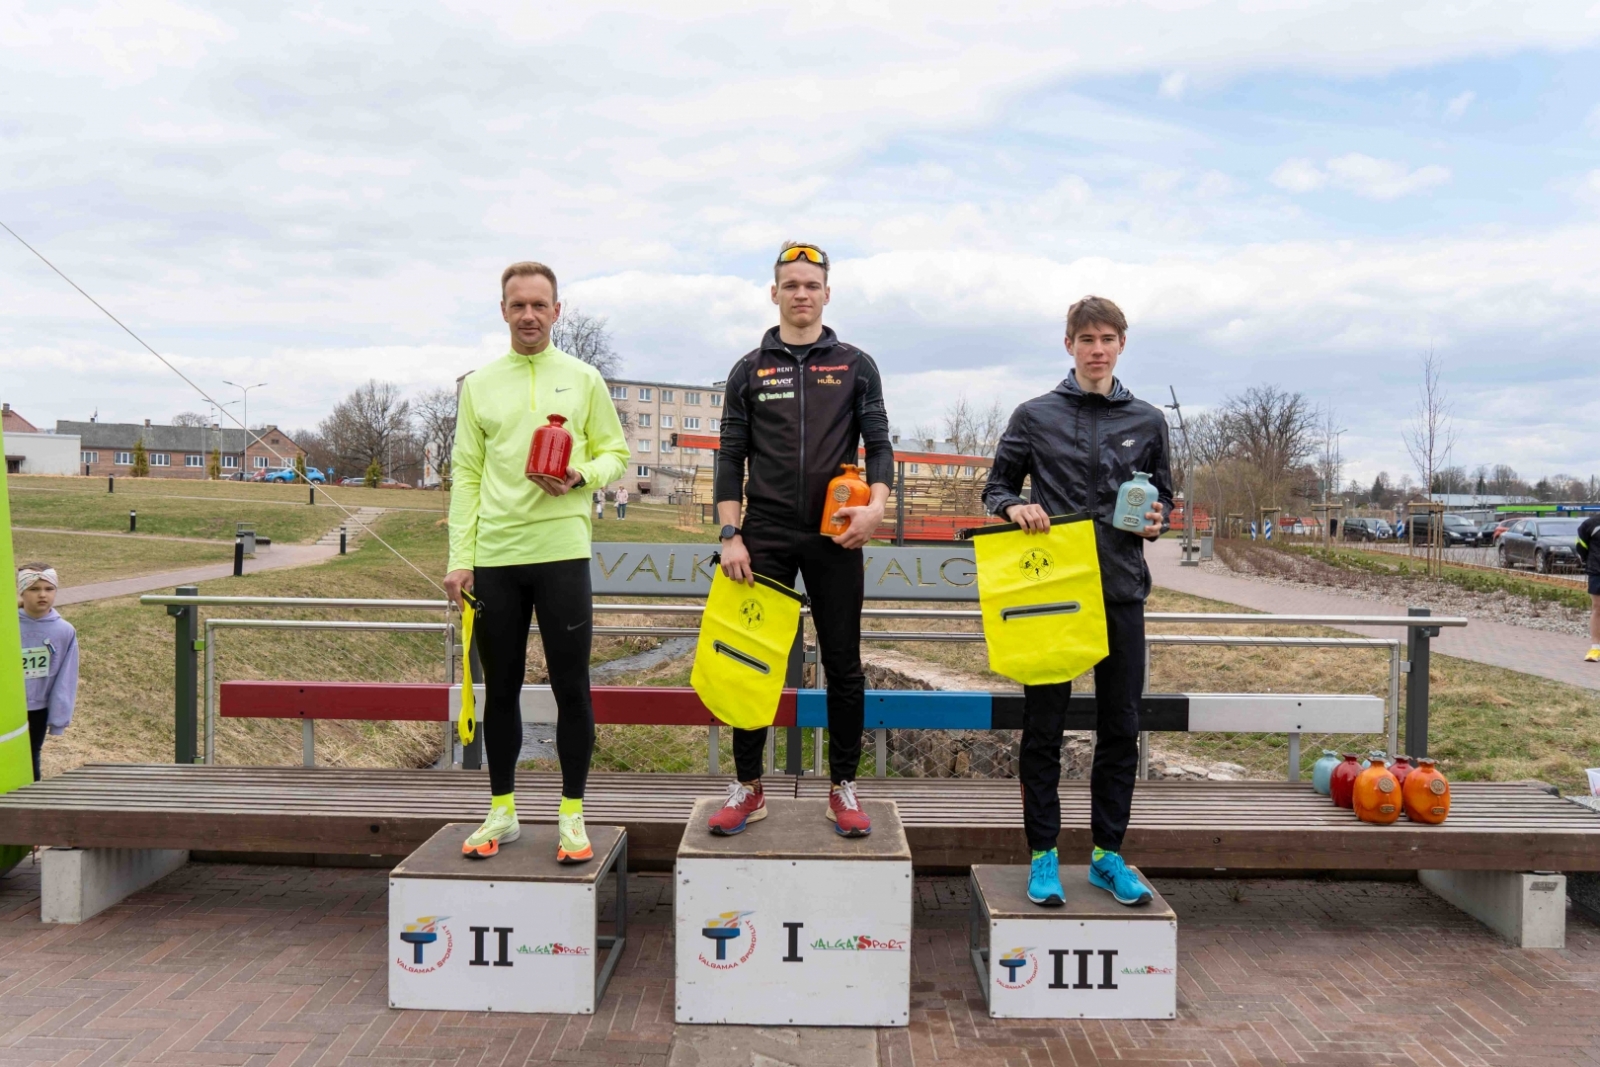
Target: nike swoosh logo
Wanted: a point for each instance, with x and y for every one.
(564, 389)
(575, 625)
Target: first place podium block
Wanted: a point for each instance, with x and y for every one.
(1091, 958)
(518, 932)
(790, 923)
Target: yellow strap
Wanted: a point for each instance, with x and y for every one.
(467, 724)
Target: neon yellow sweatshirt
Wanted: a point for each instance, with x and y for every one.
(497, 517)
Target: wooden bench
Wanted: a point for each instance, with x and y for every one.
(950, 822)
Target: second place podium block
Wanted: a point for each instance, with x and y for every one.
(790, 923)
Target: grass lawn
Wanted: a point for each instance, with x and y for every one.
(84, 558)
(1487, 723)
(167, 515)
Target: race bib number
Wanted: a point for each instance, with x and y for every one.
(36, 662)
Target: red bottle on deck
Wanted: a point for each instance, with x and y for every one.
(551, 450)
(1342, 782)
(1400, 768)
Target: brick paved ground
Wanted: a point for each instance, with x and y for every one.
(1519, 648)
(225, 964)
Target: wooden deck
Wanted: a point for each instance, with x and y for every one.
(948, 822)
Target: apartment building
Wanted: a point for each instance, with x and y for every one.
(179, 451)
(652, 412)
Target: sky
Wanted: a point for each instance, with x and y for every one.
(1309, 195)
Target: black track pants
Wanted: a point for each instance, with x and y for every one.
(835, 583)
(509, 598)
(38, 726)
(1118, 683)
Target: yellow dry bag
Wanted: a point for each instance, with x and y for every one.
(1044, 618)
(745, 637)
(467, 724)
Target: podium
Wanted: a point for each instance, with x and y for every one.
(518, 932)
(788, 923)
(1091, 958)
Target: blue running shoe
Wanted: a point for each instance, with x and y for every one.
(1111, 874)
(1044, 880)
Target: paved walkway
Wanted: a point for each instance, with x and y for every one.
(277, 557)
(224, 964)
(1519, 648)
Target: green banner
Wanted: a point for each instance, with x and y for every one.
(16, 759)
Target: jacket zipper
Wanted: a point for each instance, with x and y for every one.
(800, 379)
(1094, 456)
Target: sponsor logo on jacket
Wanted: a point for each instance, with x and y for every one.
(820, 369)
(775, 396)
(767, 372)
(828, 379)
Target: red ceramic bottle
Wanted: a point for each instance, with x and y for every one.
(1342, 783)
(1400, 768)
(551, 450)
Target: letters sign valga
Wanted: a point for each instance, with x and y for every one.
(937, 572)
(1083, 969)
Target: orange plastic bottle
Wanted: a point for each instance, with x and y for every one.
(848, 490)
(550, 450)
(1426, 794)
(1342, 781)
(1376, 797)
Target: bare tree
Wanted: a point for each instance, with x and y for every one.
(586, 337)
(1331, 465)
(1273, 433)
(190, 418)
(436, 425)
(1431, 435)
(972, 430)
(371, 425)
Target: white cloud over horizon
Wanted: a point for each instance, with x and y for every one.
(318, 197)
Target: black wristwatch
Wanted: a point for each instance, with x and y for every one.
(728, 532)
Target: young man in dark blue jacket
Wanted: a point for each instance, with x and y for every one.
(1077, 444)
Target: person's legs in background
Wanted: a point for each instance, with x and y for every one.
(38, 726)
(1119, 685)
(1594, 619)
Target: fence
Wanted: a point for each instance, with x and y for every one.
(642, 639)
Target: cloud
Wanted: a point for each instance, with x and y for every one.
(1458, 104)
(1174, 84)
(1374, 179)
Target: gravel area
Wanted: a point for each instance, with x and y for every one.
(1441, 596)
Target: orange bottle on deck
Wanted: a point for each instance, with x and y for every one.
(1426, 794)
(848, 490)
(1376, 797)
(550, 450)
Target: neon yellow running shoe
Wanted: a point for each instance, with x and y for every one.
(1593, 656)
(500, 826)
(574, 846)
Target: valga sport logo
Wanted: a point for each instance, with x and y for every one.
(724, 931)
(421, 936)
(859, 943)
(554, 948)
(1021, 967)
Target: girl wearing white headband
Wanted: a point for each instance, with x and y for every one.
(49, 656)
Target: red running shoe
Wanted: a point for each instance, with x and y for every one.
(745, 804)
(845, 813)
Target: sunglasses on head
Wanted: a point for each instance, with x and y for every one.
(799, 252)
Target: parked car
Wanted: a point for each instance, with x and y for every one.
(289, 474)
(352, 481)
(1360, 528)
(1456, 530)
(1544, 544)
(1500, 526)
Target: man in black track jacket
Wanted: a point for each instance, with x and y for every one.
(1588, 547)
(1077, 444)
(796, 409)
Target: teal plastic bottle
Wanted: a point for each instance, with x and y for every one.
(1322, 772)
(1134, 499)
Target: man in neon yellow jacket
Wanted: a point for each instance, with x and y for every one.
(519, 544)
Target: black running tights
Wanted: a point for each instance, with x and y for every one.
(509, 598)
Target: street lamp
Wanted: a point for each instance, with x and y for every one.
(245, 389)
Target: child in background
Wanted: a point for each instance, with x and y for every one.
(49, 656)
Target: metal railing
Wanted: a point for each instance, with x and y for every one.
(1420, 627)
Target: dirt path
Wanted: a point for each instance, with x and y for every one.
(1549, 655)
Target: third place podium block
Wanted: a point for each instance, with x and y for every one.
(790, 923)
(1091, 958)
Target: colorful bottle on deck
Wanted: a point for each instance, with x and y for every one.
(551, 450)
(1426, 794)
(1401, 768)
(1342, 782)
(1322, 771)
(848, 490)
(1134, 498)
(1376, 796)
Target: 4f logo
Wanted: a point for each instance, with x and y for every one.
(1037, 564)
